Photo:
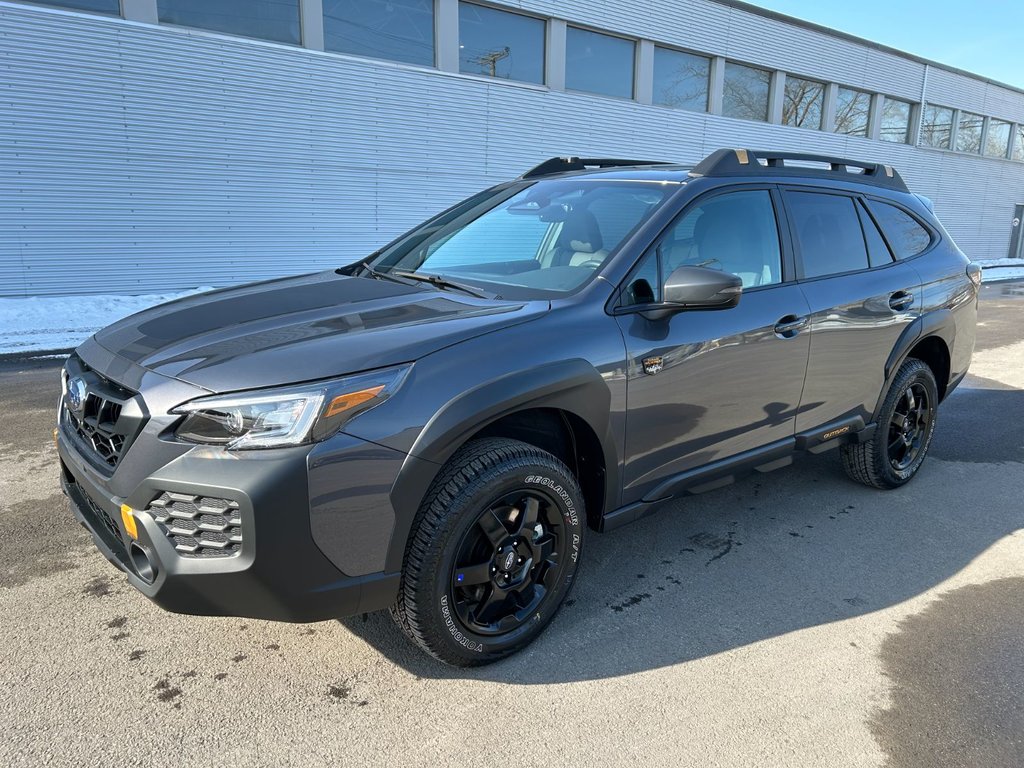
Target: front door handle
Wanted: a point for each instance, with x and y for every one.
(789, 326)
(900, 301)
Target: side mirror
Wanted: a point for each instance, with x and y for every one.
(697, 288)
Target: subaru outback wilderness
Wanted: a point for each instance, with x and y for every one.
(436, 427)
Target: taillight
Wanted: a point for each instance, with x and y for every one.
(974, 273)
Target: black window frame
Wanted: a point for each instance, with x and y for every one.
(936, 237)
(786, 256)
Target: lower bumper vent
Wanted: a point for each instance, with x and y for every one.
(199, 526)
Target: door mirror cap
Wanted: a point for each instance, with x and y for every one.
(702, 288)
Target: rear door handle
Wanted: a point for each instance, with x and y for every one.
(789, 326)
(901, 300)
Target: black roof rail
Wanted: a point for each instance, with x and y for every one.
(564, 164)
(750, 162)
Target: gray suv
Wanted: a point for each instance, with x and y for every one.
(438, 427)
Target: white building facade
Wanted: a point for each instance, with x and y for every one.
(152, 145)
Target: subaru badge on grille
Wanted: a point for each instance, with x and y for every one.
(76, 394)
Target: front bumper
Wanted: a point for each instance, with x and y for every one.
(279, 573)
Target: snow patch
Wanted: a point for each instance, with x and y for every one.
(47, 323)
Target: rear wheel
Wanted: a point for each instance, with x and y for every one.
(906, 423)
(493, 552)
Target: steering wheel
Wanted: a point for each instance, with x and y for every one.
(592, 263)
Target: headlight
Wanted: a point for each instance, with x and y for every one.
(288, 416)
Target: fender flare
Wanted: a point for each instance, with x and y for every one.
(572, 385)
(938, 323)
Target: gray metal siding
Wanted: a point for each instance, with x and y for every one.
(136, 158)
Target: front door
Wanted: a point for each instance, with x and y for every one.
(705, 385)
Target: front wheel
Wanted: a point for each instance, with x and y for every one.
(906, 423)
(492, 554)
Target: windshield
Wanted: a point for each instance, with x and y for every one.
(539, 240)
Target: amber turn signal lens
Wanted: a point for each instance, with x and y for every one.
(129, 521)
(342, 403)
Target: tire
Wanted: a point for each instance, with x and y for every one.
(888, 460)
(472, 593)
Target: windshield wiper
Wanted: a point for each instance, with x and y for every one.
(378, 275)
(440, 282)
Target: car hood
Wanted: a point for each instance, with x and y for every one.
(301, 329)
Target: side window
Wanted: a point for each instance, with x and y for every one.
(828, 233)
(906, 236)
(734, 232)
(878, 252)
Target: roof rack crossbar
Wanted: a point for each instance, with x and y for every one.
(565, 164)
(748, 162)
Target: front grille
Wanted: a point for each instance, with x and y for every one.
(199, 526)
(107, 419)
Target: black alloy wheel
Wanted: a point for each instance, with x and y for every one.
(909, 426)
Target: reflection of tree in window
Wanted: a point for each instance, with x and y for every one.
(968, 137)
(745, 94)
(853, 108)
(802, 102)
(400, 30)
(895, 124)
(1018, 144)
(936, 126)
(998, 138)
(681, 79)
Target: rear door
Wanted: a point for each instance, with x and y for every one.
(861, 299)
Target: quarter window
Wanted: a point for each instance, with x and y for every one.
(802, 103)
(398, 30)
(895, 124)
(936, 127)
(681, 79)
(853, 110)
(746, 92)
(968, 136)
(997, 141)
(905, 235)
(500, 44)
(878, 251)
(276, 20)
(598, 63)
(828, 233)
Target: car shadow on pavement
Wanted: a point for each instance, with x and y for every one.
(767, 556)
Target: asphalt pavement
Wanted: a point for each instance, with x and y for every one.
(792, 619)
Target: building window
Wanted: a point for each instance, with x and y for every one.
(598, 63)
(802, 103)
(1018, 144)
(500, 44)
(895, 124)
(398, 30)
(968, 136)
(997, 140)
(936, 127)
(681, 79)
(853, 112)
(96, 6)
(276, 20)
(746, 92)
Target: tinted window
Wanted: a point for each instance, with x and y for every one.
(878, 251)
(735, 232)
(100, 6)
(746, 92)
(500, 44)
(266, 19)
(400, 30)
(828, 233)
(1018, 143)
(853, 109)
(895, 121)
(998, 138)
(599, 63)
(802, 103)
(936, 126)
(968, 136)
(905, 235)
(681, 79)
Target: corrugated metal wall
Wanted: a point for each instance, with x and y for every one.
(136, 158)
